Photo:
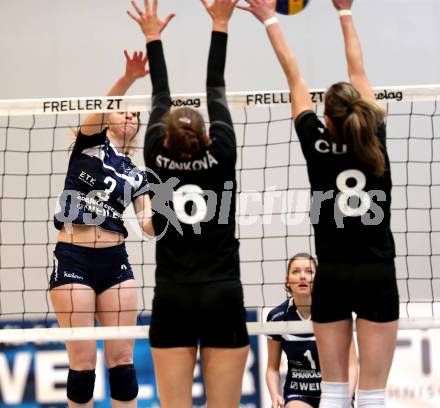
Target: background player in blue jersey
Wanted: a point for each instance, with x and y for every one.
(302, 386)
(198, 299)
(350, 178)
(93, 276)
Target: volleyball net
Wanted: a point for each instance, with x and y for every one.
(272, 204)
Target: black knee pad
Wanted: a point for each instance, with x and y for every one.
(123, 382)
(80, 385)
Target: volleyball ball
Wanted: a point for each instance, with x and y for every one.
(290, 7)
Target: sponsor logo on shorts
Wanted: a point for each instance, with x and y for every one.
(72, 275)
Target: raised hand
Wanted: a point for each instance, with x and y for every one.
(135, 66)
(262, 9)
(220, 10)
(150, 24)
(343, 4)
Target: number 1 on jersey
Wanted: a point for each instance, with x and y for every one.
(308, 355)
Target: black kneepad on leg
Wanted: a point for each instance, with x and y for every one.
(123, 382)
(80, 385)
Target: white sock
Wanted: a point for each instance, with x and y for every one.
(371, 398)
(335, 395)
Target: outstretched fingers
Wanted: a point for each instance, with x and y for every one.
(166, 20)
(205, 4)
(137, 8)
(147, 5)
(245, 8)
(137, 18)
(145, 58)
(133, 17)
(249, 8)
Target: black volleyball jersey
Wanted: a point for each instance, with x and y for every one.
(303, 370)
(350, 209)
(99, 185)
(193, 200)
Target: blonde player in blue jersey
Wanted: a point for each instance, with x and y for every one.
(93, 277)
(302, 386)
(350, 178)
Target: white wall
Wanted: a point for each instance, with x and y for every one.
(52, 48)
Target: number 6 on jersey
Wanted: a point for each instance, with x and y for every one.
(194, 194)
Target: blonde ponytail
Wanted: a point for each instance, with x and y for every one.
(356, 121)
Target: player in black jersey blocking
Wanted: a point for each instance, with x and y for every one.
(93, 276)
(302, 386)
(349, 173)
(198, 300)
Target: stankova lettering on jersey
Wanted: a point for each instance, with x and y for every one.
(68, 105)
(192, 165)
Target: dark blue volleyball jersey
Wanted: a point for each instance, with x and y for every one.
(303, 371)
(350, 209)
(193, 199)
(99, 185)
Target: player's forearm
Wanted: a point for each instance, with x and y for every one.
(273, 383)
(215, 79)
(158, 68)
(284, 53)
(217, 59)
(147, 226)
(353, 48)
(299, 91)
(121, 86)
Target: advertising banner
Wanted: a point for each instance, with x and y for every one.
(33, 375)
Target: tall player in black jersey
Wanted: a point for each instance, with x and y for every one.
(302, 386)
(198, 299)
(93, 276)
(350, 178)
